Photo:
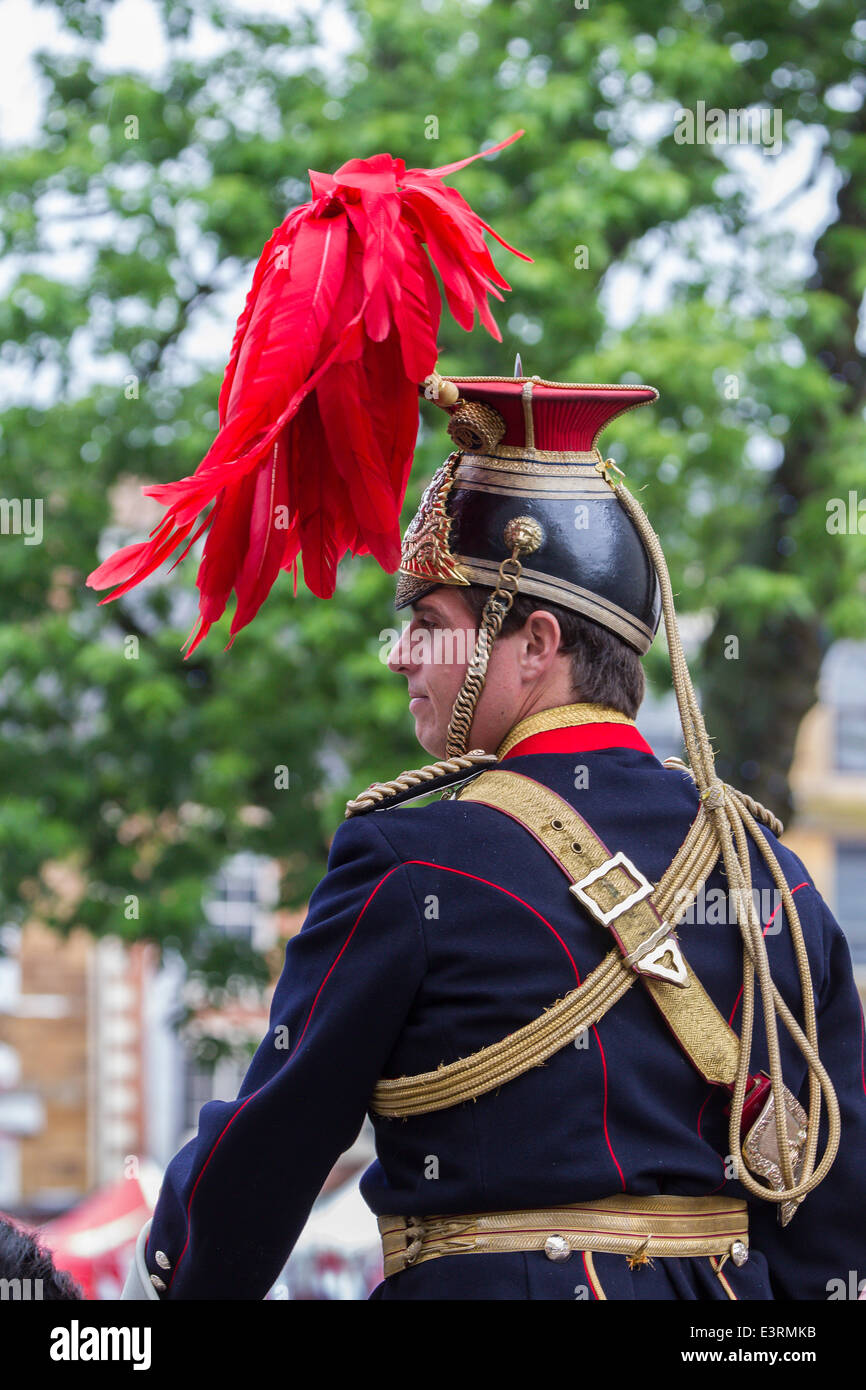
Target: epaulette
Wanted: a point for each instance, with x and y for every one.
(420, 781)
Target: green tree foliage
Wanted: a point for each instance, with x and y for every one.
(130, 226)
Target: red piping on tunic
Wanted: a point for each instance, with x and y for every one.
(425, 864)
(588, 1278)
(223, 1133)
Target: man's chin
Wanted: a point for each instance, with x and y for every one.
(431, 740)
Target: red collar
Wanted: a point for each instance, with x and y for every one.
(572, 729)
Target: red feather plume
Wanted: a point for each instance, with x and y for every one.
(318, 408)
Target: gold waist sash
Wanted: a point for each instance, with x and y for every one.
(638, 1227)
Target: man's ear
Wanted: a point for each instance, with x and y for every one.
(543, 638)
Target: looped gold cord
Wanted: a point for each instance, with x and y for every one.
(714, 796)
(748, 803)
(742, 798)
(731, 813)
(377, 792)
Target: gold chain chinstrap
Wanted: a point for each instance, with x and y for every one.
(495, 612)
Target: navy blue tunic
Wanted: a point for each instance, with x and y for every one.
(440, 929)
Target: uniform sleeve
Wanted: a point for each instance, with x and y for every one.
(236, 1197)
(821, 1253)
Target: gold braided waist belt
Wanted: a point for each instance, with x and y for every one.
(638, 1227)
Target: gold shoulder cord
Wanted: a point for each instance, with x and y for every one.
(418, 779)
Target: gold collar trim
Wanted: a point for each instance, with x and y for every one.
(561, 717)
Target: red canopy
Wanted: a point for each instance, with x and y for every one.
(94, 1241)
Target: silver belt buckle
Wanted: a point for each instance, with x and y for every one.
(620, 860)
(651, 956)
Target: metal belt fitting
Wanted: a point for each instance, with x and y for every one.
(649, 956)
(637, 1227)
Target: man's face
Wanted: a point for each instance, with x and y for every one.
(434, 652)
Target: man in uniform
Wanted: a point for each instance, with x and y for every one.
(549, 1071)
(560, 1057)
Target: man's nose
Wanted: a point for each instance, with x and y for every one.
(399, 657)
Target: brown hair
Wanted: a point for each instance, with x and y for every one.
(605, 670)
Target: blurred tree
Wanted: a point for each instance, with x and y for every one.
(130, 225)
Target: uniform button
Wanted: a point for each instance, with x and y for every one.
(557, 1248)
(157, 1283)
(739, 1253)
(162, 1259)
